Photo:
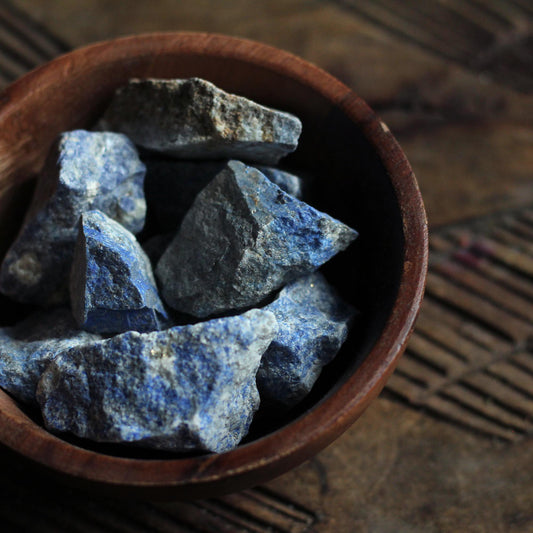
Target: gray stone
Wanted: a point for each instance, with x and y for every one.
(286, 181)
(84, 171)
(192, 118)
(155, 246)
(27, 348)
(186, 388)
(313, 324)
(242, 239)
(112, 287)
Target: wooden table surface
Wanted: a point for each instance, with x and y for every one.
(447, 447)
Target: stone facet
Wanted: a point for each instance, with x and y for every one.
(242, 239)
(84, 171)
(313, 324)
(286, 181)
(112, 287)
(192, 118)
(27, 348)
(185, 388)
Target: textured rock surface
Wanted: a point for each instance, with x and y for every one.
(84, 171)
(189, 387)
(286, 181)
(242, 239)
(26, 349)
(112, 287)
(192, 118)
(313, 324)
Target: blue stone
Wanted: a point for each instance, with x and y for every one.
(242, 239)
(112, 287)
(85, 170)
(27, 348)
(186, 388)
(313, 324)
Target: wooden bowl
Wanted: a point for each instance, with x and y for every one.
(359, 175)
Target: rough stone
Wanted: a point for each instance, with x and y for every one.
(286, 181)
(186, 388)
(84, 170)
(192, 118)
(313, 324)
(112, 287)
(242, 239)
(27, 348)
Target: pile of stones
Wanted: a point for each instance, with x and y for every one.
(236, 313)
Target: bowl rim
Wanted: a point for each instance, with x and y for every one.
(292, 444)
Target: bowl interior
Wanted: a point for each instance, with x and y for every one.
(348, 177)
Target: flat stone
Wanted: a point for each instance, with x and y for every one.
(242, 239)
(112, 287)
(84, 171)
(313, 324)
(186, 388)
(192, 118)
(28, 347)
(286, 181)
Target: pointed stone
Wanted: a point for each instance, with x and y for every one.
(313, 324)
(242, 239)
(185, 388)
(84, 171)
(27, 348)
(192, 118)
(112, 287)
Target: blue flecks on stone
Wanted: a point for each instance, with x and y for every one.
(313, 324)
(85, 170)
(242, 239)
(286, 181)
(112, 287)
(26, 349)
(188, 387)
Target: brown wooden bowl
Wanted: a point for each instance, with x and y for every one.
(360, 175)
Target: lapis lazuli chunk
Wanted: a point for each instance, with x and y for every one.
(112, 287)
(186, 388)
(85, 170)
(242, 239)
(313, 324)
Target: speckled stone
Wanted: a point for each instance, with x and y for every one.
(112, 287)
(192, 118)
(242, 239)
(286, 181)
(27, 348)
(313, 324)
(185, 388)
(84, 171)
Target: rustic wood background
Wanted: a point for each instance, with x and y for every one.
(447, 447)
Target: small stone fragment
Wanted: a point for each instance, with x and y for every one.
(185, 388)
(192, 118)
(286, 181)
(313, 324)
(242, 239)
(84, 171)
(112, 287)
(27, 348)
(155, 246)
